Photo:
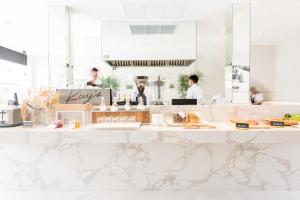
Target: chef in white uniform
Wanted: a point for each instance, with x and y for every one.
(194, 91)
(142, 91)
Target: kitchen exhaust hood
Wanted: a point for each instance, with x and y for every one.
(149, 44)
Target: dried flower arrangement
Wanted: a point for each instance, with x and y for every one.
(38, 107)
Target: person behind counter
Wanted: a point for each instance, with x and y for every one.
(142, 91)
(94, 80)
(194, 91)
(256, 96)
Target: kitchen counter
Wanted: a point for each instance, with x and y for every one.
(155, 162)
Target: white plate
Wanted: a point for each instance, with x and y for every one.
(117, 126)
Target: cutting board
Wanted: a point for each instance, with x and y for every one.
(286, 122)
(190, 125)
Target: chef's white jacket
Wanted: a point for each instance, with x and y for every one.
(195, 92)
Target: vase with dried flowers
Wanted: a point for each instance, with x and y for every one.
(39, 107)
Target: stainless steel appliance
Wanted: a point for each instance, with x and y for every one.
(10, 116)
(158, 90)
(141, 89)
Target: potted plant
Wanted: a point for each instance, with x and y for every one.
(110, 82)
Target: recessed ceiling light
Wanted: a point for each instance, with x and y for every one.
(259, 33)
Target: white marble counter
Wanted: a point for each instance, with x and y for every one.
(160, 163)
(150, 159)
(224, 133)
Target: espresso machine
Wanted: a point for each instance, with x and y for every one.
(141, 92)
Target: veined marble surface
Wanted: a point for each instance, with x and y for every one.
(149, 159)
(148, 195)
(224, 133)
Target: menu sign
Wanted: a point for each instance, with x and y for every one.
(277, 123)
(83, 96)
(240, 125)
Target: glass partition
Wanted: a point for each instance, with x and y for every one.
(237, 56)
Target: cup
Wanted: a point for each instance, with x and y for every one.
(157, 119)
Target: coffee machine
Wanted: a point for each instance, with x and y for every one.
(141, 92)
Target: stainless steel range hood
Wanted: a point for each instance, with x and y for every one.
(150, 63)
(149, 44)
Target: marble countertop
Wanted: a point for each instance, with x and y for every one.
(224, 133)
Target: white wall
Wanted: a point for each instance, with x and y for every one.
(275, 70)
(288, 71)
(86, 46)
(263, 65)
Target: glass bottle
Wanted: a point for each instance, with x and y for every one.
(114, 106)
(127, 106)
(102, 106)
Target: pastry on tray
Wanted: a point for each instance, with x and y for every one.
(193, 117)
(179, 117)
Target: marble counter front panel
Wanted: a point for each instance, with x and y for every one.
(150, 159)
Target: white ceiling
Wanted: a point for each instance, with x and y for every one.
(272, 20)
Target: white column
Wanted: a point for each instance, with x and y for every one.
(237, 72)
(58, 46)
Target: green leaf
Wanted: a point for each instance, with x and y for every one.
(110, 82)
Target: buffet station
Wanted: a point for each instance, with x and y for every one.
(93, 143)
